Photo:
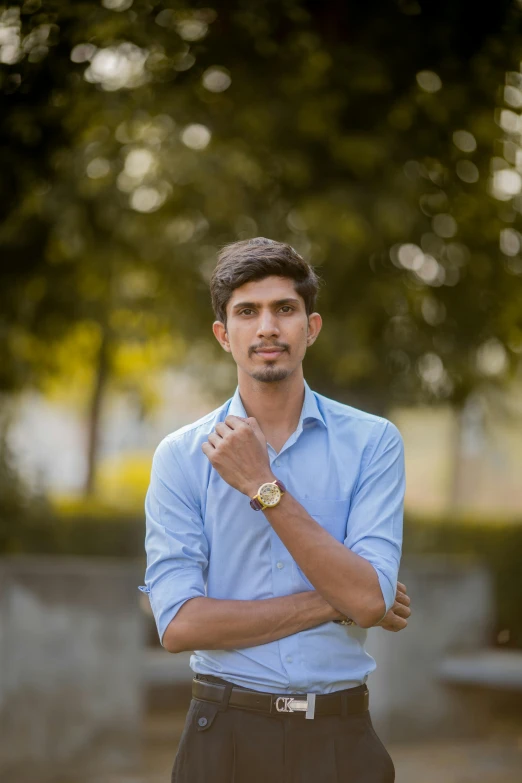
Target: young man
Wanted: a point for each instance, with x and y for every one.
(274, 532)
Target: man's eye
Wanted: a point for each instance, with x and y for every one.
(287, 308)
(246, 311)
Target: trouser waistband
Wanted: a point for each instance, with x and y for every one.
(226, 694)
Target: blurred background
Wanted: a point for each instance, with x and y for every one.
(384, 143)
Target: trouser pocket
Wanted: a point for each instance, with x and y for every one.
(204, 715)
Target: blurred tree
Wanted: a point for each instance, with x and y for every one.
(382, 142)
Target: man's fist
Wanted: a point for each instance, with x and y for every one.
(237, 450)
(396, 618)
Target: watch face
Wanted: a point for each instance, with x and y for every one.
(270, 494)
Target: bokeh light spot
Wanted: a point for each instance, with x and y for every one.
(83, 52)
(98, 168)
(410, 256)
(433, 311)
(429, 81)
(491, 358)
(115, 67)
(509, 242)
(444, 226)
(430, 368)
(506, 183)
(139, 163)
(216, 79)
(117, 5)
(192, 29)
(464, 140)
(196, 136)
(467, 171)
(513, 96)
(146, 199)
(509, 121)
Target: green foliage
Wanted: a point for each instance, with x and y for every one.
(497, 544)
(90, 530)
(138, 140)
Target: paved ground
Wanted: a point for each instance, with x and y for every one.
(497, 759)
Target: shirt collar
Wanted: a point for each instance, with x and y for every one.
(309, 411)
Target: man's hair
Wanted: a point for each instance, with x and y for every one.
(254, 259)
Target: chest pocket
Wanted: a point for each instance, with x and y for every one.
(331, 514)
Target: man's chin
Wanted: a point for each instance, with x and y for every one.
(270, 374)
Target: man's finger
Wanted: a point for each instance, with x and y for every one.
(207, 449)
(253, 423)
(394, 623)
(234, 421)
(402, 587)
(402, 598)
(401, 611)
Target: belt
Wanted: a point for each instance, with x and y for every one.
(346, 702)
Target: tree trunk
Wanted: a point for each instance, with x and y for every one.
(95, 409)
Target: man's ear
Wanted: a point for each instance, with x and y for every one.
(315, 323)
(220, 333)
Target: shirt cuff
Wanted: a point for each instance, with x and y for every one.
(168, 596)
(388, 589)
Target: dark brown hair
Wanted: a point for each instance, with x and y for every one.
(254, 259)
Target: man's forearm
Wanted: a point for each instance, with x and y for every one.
(345, 580)
(220, 624)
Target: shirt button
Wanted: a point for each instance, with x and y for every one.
(280, 565)
(202, 721)
(289, 659)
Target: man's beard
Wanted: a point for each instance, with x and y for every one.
(270, 374)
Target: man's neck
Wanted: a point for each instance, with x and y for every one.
(276, 406)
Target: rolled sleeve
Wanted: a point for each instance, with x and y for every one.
(375, 522)
(175, 542)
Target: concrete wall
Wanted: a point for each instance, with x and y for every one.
(452, 611)
(71, 637)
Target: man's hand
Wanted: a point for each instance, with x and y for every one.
(397, 617)
(237, 450)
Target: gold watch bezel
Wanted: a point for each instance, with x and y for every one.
(272, 485)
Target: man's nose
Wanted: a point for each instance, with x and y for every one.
(267, 325)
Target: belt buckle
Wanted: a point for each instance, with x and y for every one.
(289, 704)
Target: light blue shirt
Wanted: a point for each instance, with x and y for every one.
(346, 468)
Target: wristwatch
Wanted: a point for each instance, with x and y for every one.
(345, 621)
(268, 495)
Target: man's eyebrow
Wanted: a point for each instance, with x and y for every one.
(277, 302)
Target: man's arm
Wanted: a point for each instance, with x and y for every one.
(220, 624)
(176, 546)
(346, 580)
(357, 577)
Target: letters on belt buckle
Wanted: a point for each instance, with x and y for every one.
(289, 704)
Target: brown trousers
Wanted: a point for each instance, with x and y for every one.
(242, 746)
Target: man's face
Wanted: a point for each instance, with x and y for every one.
(267, 329)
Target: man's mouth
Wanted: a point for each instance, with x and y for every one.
(269, 353)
